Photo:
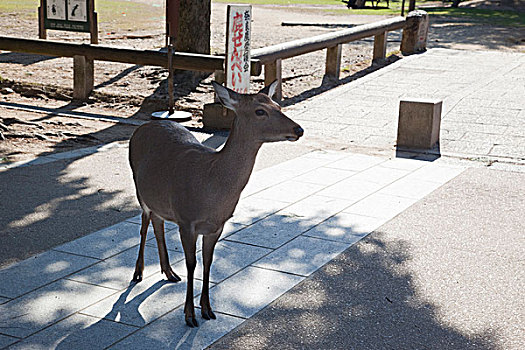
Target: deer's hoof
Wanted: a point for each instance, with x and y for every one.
(137, 277)
(172, 276)
(208, 314)
(192, 322)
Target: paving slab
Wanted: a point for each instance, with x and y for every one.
(302, 256)
(167, 333)
(141, 303)
(6, 340)
(250, 290)
(36, 310)
(346, 227)
(77, 332)
(272, 232)
(228, 259)
(104, 243)
(40, 270)
(380, 205)
(116, 272)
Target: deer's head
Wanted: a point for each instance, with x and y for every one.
(258, 115)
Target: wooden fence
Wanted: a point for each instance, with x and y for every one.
(415, 28)
(85, 54)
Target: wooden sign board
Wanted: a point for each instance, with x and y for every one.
(71, 15)
(238, 56)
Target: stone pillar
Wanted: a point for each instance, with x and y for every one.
(419, 123)
(415, 33)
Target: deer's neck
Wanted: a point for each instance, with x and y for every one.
(237, 158)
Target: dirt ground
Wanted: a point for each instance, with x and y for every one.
(134, 92)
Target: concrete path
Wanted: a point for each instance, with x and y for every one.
(483, 104)
(423, 278)
(293, 218)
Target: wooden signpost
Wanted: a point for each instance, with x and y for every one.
(237, 62)
(75, 16)
(237, 65)
(70, 15)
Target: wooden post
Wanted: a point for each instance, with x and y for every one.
(380, 42)
(219, 78)
(411, 5)
(273, 71)
(42, 32)
(93, 25)
(415, 33)
(83, 77)
(333, 61)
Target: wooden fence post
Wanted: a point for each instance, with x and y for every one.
(42, 32)
(333, 61)
(83, 77)
(415, 33)
(380, 42)
(273, 71)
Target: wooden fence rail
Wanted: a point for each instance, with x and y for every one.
(85, 54)
(415, 27)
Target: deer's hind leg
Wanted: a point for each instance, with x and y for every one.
(139, 266)
(158, 229)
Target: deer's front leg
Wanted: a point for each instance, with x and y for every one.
(139, 266)
(189, 240)
(158, 229)
(208, 245)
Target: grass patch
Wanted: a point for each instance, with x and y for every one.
(284, 2)
(506, 18)
(112, 14)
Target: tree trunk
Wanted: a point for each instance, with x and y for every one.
(455, 3)
(194, 26)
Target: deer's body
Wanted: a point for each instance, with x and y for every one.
(181, 180)
(199, 191)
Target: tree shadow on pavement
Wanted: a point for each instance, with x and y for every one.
(363, 299)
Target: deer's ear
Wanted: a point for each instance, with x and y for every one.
(227, 97)
(270, 89)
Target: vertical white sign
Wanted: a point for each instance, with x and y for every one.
(238, 48)
(56, 9)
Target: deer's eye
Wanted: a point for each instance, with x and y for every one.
(260, 112)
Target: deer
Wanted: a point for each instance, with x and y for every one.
(179, 179)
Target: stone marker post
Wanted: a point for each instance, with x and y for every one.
(419, 123)
(415, 33)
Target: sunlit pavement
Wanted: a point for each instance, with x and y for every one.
(293, 218)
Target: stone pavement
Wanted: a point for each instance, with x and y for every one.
(483, 95)
(293, 218)
(304, 206)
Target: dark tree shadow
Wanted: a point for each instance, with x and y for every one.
(363, 299)
(23, 59)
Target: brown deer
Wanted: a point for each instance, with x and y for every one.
(181, 180)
